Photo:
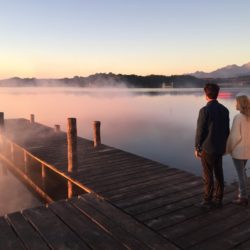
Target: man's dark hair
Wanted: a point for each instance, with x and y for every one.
(212, 90)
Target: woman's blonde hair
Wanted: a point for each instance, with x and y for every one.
(243, 103)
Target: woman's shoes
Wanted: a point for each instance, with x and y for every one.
(240, 201)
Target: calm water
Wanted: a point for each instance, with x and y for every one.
(157, 124)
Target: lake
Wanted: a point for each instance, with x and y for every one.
(156, 124)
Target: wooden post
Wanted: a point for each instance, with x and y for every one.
(43, 171)
(57, 128)
(70, 190)
(1, 142)
(72, 144)
(43, 175)
(1, 121)
(97, 133)
(12, 153)
(32, 118)
(26, 162)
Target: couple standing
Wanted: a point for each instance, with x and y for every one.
(214, 138)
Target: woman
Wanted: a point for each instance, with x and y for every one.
(238, 145)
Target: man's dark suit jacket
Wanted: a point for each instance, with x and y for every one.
(212, 128)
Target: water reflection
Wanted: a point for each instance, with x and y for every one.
(157, 124)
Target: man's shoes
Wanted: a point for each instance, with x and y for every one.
(240, 201)
(206, 205)
(218, 204)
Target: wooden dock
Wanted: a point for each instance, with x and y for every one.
(159, 198)
(80, 223)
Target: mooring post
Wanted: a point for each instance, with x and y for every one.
(32, 118)
(26, 162)
(12, 153)
(97, 133)
(72, 145)
(43, 171)
(70, 190)
(57, 128)
(1, 121)
(43, 175)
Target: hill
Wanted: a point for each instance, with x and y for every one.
(110, 80)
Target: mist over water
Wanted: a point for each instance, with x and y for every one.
(14, 195)
(156, 124)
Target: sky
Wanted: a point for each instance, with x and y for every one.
(65, 38)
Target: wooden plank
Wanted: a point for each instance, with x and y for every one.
(144, 234)
(111, 173)
(235, 237)
(206, 233)
(102, 188)
(165, 182)
(162, 201)
(243, 246)
(174, 217)
(214, 216)
(94, 235)
(155, 183)
(114, 172)
(168, 208)
(108, 224)
(162, 191)
(144, 175)
(112, 164)
(29, 236)
(54, 231)
(8, 238)
(93, 156)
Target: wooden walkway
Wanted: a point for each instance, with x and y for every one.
(161, 198)
(80, 223)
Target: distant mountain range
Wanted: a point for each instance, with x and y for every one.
(225, 72)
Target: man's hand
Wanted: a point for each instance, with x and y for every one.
(197, 154)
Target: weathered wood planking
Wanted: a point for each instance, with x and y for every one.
(162, 198)
(8, 238)
(86, 222)
(26, 232)
(142, 233)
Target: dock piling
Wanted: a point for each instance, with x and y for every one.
(43, 171)
(97, 133)
(12, 152)
(32, 118)
(72, 144)
(26, 163)
(70, 190)
(57, 128)
(1, 121)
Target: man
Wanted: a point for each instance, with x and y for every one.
(210, 144)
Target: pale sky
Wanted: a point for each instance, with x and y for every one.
(64, 38)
